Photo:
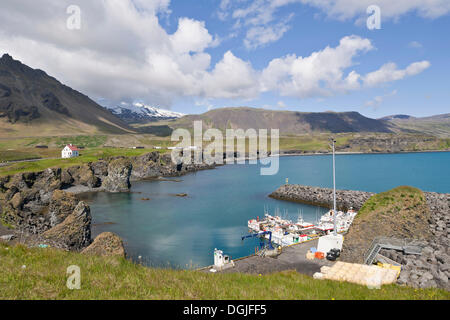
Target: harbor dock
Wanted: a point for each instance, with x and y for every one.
(291, 258)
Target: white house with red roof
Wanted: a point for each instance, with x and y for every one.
(69, 151)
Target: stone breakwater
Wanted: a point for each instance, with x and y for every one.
(322, 197)
(36, 203)
(431, 269)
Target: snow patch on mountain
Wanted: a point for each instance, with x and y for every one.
(140, 111)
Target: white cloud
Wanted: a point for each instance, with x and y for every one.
(231, 78)
(378, 100)
(324, 73)
(122, 54)
(348, 9)
(191, 36)
(259, 17)
(415, 44)
(320, 74)
(265, 26)
(223, 13)
(262, 35)
(389, 72)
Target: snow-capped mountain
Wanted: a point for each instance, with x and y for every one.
(139, 112)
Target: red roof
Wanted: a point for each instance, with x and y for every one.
(72, 147)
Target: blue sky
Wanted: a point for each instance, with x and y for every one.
(192, 56)
(410, 38)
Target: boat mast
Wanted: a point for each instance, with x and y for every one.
(334, 186)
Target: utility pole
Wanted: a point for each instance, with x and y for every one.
(334, 240)
(334, 185)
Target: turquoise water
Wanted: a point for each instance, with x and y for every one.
(183, 232)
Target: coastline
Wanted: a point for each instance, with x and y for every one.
(28, 195)
(355, 152)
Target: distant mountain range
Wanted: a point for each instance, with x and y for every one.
(397, 117)
(33, 103)
(438, 125)
(289, 122)
(293, 122)
(141, 113)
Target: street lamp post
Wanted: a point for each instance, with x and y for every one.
(334, 186)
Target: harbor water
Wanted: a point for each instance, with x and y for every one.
(182, 232)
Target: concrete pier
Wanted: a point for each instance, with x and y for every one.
(291, 258)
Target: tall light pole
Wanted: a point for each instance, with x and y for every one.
(334, 186)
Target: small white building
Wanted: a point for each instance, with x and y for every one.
(221, 261)
(69, 151)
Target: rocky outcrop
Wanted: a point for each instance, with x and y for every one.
(391, 143)
(432, 268)
(425, 219)
(26, 199)
(83, 175)
(118, 179)
(322, 197)
(147, 166)
(61, 206)
(400, 213)
(75, 231)
(36, 204)
(153, 165)
(106, 244)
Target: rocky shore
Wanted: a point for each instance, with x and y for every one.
(41, 207)
(430, 269)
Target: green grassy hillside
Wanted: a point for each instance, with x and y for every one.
(86, 156)
(438, 125)
(41, 274)
(289, 122)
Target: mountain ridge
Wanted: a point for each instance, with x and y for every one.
(289, 122)
(33, 103)
(32, 100)
(139, 112)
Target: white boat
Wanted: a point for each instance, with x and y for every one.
(286, 232)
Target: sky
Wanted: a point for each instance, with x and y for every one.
(194, 56)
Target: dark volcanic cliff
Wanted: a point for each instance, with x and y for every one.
(29, 95)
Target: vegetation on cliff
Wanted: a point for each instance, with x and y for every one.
(401, 213)
(89, 155)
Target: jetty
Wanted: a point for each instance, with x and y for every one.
(322, 197)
